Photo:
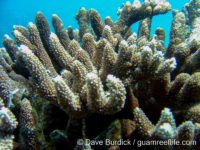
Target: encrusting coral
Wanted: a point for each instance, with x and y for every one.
(72, 84)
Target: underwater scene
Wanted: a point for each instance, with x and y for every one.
(100, 75)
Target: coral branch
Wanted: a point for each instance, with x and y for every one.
(40, 78)
(130, 14)
(106, 103)
(28, 129)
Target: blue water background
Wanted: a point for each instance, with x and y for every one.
(21, 12)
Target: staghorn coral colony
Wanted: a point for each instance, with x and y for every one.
(102, 81)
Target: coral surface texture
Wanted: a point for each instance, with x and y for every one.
(101, 86)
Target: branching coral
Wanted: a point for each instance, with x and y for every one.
(103, 71)
(166, 130)
(8, 123)
(28, 129)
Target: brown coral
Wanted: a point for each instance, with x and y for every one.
(111, 72)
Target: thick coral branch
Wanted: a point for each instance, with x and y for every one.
(105, 102)
(28, 128)
(40, 78)
(130, 14)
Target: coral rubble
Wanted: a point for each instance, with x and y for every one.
(102, 82)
